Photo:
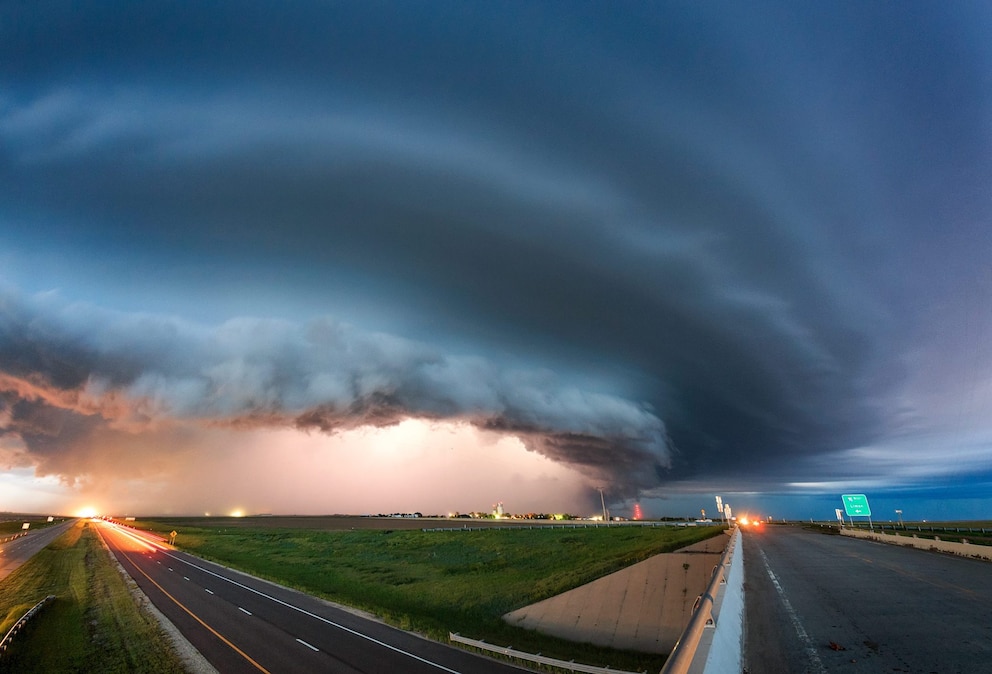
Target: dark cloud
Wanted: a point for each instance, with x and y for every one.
(770, 223)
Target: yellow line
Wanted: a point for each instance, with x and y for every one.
(194, 616)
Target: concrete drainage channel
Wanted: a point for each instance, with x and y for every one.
(712, 642)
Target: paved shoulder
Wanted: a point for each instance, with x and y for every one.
(819, 603)
(14, 553)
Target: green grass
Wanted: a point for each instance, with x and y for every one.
(14, 526)
(94, 625)
(436, 582)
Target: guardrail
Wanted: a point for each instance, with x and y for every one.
(707, 610)
(964, 548)
(10, 538)
(593, 525)
(984, 531)
(19, 625)
(540, 659)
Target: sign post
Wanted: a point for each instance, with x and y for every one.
(856, 505)
(172, 537)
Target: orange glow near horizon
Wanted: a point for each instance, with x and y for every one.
(87, 511)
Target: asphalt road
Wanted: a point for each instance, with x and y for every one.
(243, 624)
(16, 552)
(824, 603)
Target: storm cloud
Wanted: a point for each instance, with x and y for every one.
(71, 371)
(668, 244)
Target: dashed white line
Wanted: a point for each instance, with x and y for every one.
(244, 610)
(814, 659)
(312, 648)
(210, 591)
(185, 577)
(322, 619)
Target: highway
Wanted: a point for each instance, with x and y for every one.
(819, 603)
(243, 624)
(16, 552)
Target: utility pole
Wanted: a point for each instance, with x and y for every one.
(602, 499)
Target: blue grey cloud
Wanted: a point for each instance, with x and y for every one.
(769, 223)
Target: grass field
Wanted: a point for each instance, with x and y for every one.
(14, 525)
(94, 625)
(436, 582)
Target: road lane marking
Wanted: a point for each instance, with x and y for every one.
(185, 577)
(312, 648)
(210, 591)
(194, 616)
(814, 658)
(322, 619)
(244, 610)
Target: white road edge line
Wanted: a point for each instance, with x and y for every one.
(244, 610)
(305, 612)
(814, 659)
(312, 648)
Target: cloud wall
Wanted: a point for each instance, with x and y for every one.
(72, 372)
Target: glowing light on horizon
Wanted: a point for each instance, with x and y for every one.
(237, 513)
(87, 511)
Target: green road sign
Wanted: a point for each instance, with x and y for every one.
(856, 505)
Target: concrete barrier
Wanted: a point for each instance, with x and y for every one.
(955, 548)
(712, 642)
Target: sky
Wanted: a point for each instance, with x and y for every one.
(360, 257)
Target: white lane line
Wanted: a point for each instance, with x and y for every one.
(814, 659)
(317, 617)
(170, 568)
(210, 591)
(312, 648)
(185, 577)
(303, 611)
(244, 610)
